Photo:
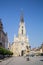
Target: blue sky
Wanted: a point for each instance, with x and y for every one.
(10, 11)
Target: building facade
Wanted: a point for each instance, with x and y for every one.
(20, 45)
(3, 37)
(37, 51)
(41, 48)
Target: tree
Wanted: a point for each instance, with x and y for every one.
(4, 52)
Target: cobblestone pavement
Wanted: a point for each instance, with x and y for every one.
(23, 61)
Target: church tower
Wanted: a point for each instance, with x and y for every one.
(22, 29)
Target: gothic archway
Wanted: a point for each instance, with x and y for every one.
(22, 52)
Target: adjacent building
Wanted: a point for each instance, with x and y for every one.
(41, 48)
(3, 37)
(38, 50)
(20, 45)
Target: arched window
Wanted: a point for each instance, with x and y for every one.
(22, 31)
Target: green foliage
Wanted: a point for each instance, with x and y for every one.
(4, 51)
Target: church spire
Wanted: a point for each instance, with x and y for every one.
(22, 29)
(22, 17)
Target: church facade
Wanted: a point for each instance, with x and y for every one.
(20, 45)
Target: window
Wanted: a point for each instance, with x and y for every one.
(27, 47)
(22, 31)
(22, 26)
(0, 44)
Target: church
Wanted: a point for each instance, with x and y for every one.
(20, 45)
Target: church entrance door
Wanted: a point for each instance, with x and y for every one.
(22, 52)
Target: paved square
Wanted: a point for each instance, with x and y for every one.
(23, 61)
